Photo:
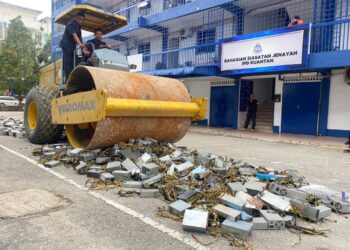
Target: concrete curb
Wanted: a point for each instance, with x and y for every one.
(219, 133)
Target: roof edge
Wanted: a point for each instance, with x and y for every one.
(20, 7)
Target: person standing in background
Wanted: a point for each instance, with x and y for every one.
(295, 21)
(252, 109)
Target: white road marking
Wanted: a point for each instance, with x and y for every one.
(172, 233)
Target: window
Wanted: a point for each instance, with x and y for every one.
(145, 49)
(2, 30)
(205, 37)
(45, 37)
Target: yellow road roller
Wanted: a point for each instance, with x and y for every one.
(102, 103)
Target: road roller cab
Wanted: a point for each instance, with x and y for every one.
(109, 59)
(104, 103)
(105, 22)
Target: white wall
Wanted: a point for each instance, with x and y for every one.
(191, 40)
(45, 25)
(156, 47)
(199, 88)
(277, 119)
(339, 103)
(29, 18)
(241, 119)
(343, 41)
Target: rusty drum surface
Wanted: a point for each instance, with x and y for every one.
(127, 85)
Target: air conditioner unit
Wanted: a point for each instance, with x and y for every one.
(133, 44)
(187, 32)
(347, 75)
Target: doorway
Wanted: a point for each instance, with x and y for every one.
(264, 91)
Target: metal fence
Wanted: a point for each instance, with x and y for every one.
(331, 37)
(133, 9)
(197, 32)
(202, 55)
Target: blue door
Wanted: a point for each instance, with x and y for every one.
(300, 108)
(224, 106)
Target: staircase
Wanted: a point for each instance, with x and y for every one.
(264, 119)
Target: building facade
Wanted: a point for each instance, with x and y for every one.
(29, 17)
(227, 49)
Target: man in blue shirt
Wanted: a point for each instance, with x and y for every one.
(97, 42)
(70, 39)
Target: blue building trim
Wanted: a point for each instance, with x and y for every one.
(338, 133)
(54, 12)
(324, 105)
(327, 15)
(184, 72)
(328, 60)
(239, 13)
(116, 37)
(276, 129)
(180, 11)
(237, 90)
(130, 27)
(156, 28)
(184, 10)
(201, 123)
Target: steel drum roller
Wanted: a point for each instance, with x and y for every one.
(124, 85)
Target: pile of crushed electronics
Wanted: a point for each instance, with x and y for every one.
(206, 192)
(11, 127)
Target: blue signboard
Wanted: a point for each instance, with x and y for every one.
(284, 49)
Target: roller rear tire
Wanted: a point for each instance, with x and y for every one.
(37, 116)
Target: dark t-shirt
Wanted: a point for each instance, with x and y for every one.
(253, 106)
(98, 44)
(67, 42)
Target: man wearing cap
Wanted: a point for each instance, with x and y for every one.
(70, 39)
(295, 21)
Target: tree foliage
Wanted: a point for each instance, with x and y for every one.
(44, 57)
(18, 59)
